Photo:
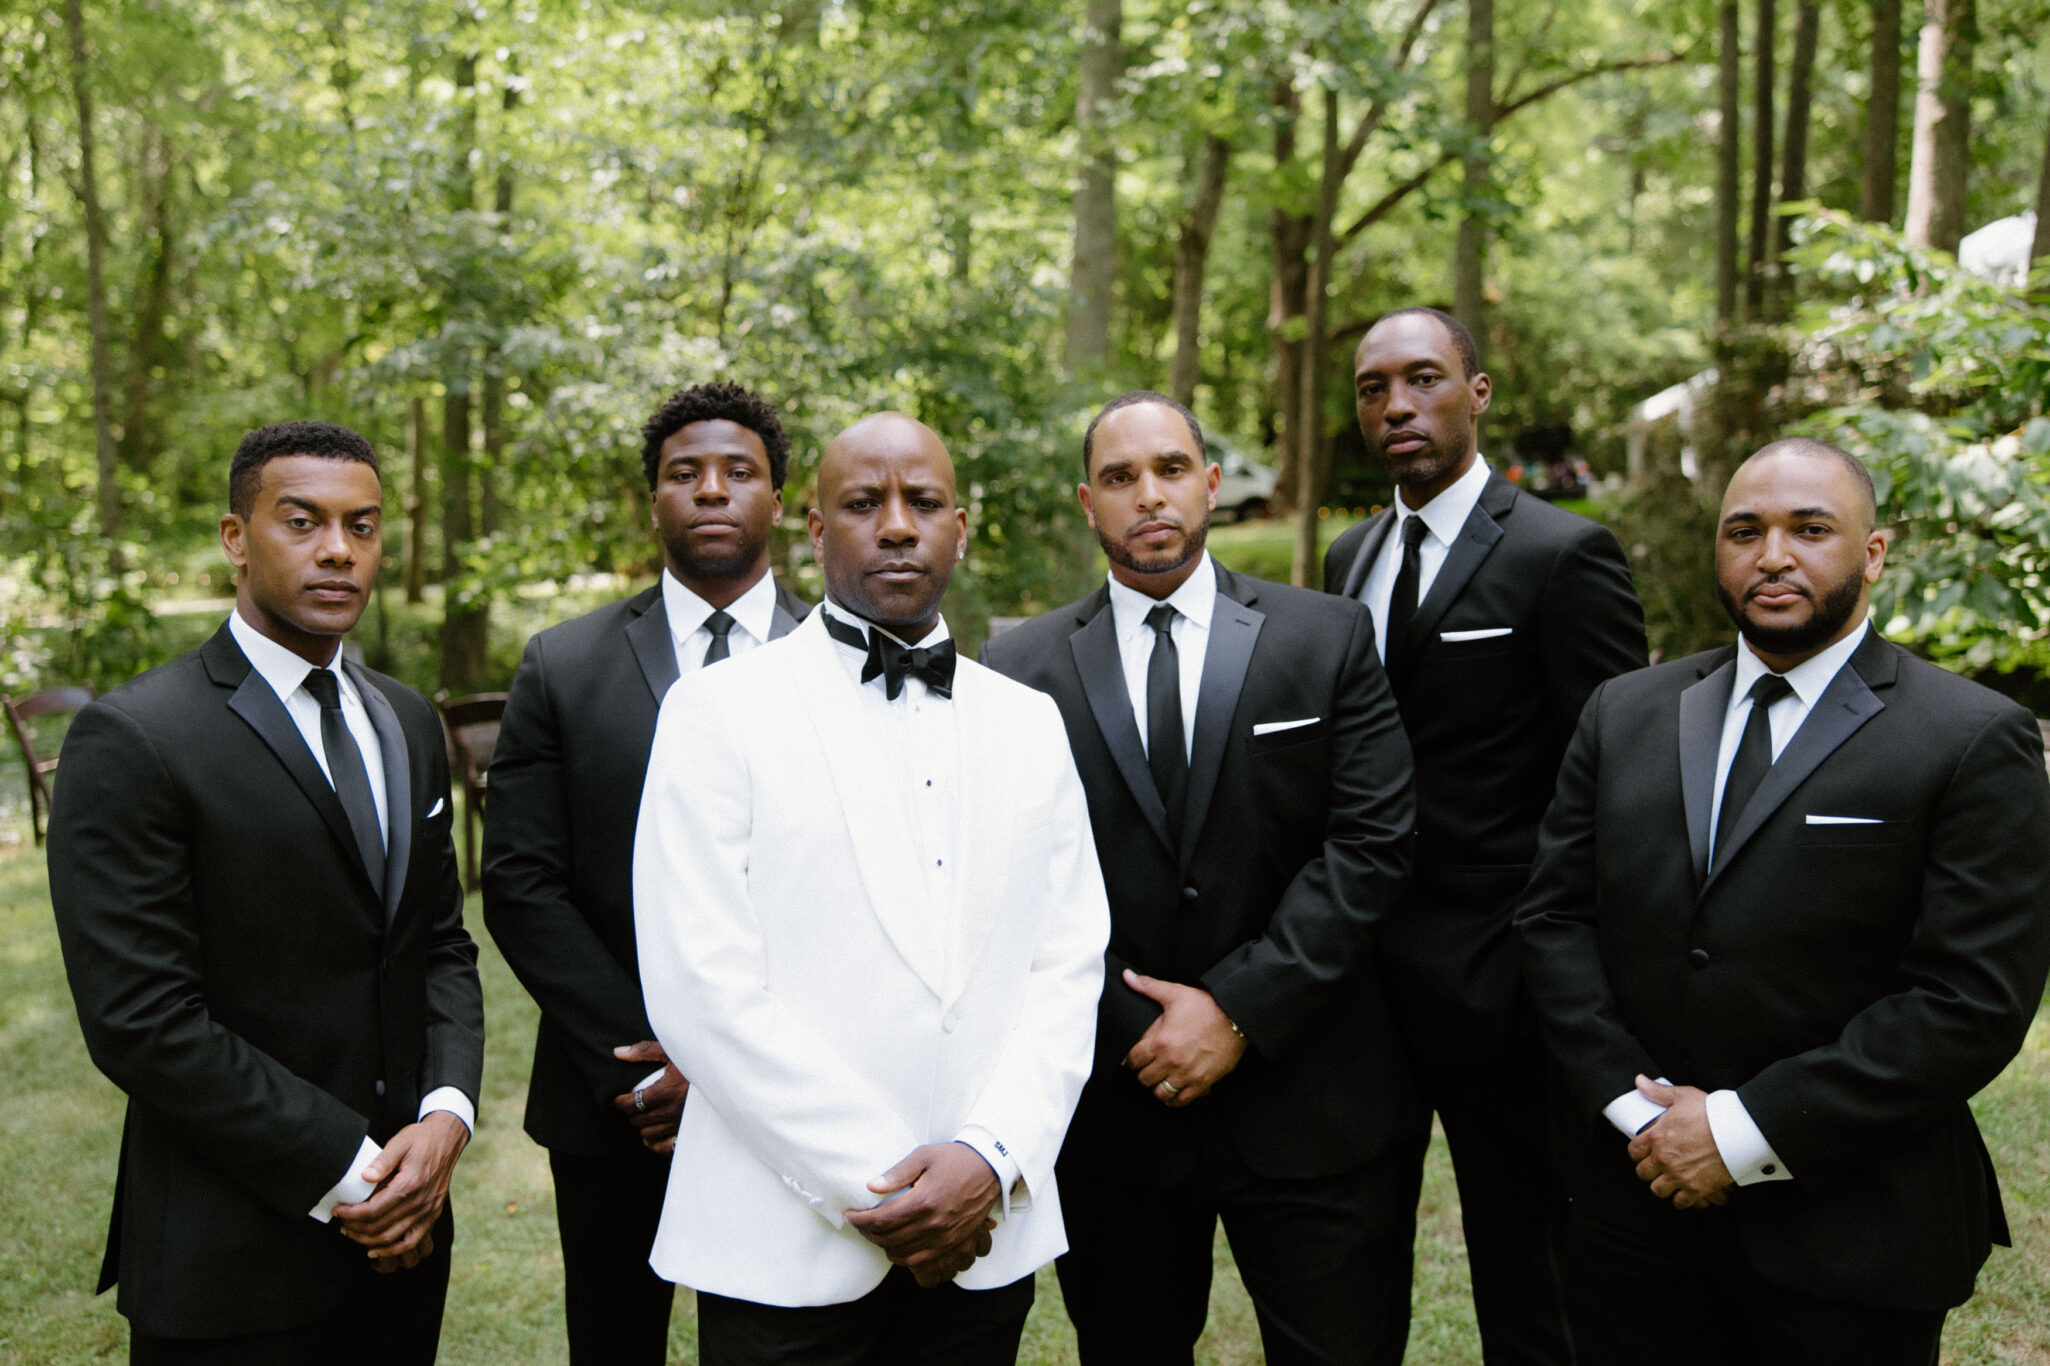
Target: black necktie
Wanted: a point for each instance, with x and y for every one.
(930, 665)
(1753, 758)
(1166, 752)
(719, 623)
(1402, 602)
(345, 769)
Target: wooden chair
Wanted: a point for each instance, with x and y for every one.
(51, 702)
(472, 726)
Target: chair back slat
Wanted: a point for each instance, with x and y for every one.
(22, 710)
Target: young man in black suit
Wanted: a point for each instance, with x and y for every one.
(1249, 788)
(1788, 915)
(1499, 614)
(558, 846)
(261, 919)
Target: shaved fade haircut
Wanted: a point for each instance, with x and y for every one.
(1133, 399)
(1469, 352)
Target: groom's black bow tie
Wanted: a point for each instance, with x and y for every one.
(933, 666)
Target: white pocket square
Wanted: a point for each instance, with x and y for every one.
(1845, 820)
(435, 810)
(1488, 633)
(1269, 727)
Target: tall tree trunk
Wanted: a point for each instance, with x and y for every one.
(1287, 302)
(96, 290)
(416, 499)
(494, 472)
(1095, 259)
(1882, 115)
(1310, 425)
(139, 441)
(1191, 255)
(465, 625)
(1938, 172)
(1794, 151)
(1758, 281)
(1469, 262)
(1729, 163)
(2041, 246)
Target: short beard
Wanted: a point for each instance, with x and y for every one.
(1192, 546)
(736, 563)
(1832, 611)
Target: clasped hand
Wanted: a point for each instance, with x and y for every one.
(940, 1223)
(661, 1108)
(411, 1179)
(1189, 1049)
(1676, 1152)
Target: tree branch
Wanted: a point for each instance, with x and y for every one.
(1378, 110)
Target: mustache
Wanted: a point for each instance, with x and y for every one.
(1175, 523)
(1774, 581)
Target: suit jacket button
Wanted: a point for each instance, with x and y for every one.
(1189, 893)
(380, 1088)
(1698, 957)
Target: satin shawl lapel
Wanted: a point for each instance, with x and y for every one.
(987, 822)
(1476, 539)
(856, 757)
(1845, 705)
(1103, 682)
(256, 704)
(398, 787)
(1234, 626)
(1370, 550)
(1703, 708)
(648, 634)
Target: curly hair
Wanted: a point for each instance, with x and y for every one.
(328, 440)
(710, 403)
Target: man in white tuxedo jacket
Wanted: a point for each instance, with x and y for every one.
(871, 929)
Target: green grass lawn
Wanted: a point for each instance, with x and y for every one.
(60, 1127)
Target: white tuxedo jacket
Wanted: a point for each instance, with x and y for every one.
(780, 914)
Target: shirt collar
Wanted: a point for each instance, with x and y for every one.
(1808, 678)
(755, 609)
(1446, 514)
(283, 670)
(1196, 599)
(933, 637)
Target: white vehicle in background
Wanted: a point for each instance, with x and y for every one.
(1246, 485)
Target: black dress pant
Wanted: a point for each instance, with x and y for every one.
(895, 1324)
(392, 1317)
(1328, 1283)
(1511, 1205)
(606, 1211)
(1690, 1298)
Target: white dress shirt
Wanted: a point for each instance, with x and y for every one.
(1444, 517)
(752, 613)
(1738, 1140)
(926, 781)
(1194, 602)
(287, 673)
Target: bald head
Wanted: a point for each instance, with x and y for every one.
(888, 528)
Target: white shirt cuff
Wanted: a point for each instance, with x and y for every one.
(1739, 1142)
(990, 1149)
(645, 1082)
(1632, 1110)
(352, 1187)
(455, 1102)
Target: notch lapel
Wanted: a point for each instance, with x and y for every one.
(648, 634)
(1234, 627)
(1703, 708)
(782, 621)
(1095, 647)
(398, 787)
(256, 704)
(1465, 555)
(1370, 550)
(879, 829)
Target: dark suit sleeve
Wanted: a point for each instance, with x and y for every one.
(121, 887)
(1326, 921)
(557, 955)
(1562, 956)
(1590, 625)
(455, 997)
(1971, 976)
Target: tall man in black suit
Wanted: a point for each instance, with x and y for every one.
(1499, 614)
(258, 903)
(1788, 915)
(558, 846)
(1249, 786)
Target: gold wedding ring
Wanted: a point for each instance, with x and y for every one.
(1172, 1089)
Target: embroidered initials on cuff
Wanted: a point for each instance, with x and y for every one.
(991, 1150)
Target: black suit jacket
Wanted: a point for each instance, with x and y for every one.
(558, 854)
(1296, 843)
(236, 974)
(1488, 720)
(1855, 983)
